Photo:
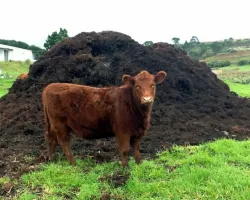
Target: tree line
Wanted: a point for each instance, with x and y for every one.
(200, 50)
(194, 48)
(37, 51)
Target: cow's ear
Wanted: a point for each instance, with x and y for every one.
(127, 79)
(160, 76)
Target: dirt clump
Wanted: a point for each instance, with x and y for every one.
(192, 106)
(116, 179)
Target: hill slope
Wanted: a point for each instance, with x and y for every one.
(232, 57)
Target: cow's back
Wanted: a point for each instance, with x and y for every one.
(86, 110)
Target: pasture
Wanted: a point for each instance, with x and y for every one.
(10, 71)
(214, 170)
(237, 78)
(232, 57)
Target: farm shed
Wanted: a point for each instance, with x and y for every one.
(13, 53)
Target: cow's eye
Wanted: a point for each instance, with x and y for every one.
(137, 86)
(153, 85)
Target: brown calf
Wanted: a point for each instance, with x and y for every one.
(90, 112)
(23, 76)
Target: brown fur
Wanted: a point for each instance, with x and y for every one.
(92, 112)
(23, 76)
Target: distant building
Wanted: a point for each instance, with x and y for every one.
(13, 53)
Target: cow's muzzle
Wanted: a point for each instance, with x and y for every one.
(146, 100)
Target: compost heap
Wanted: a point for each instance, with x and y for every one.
(192, 106)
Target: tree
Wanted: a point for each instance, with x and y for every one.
(176, 40)
(231, 39)
(216, 47)
(55, 38)
(194, 40)
(63, 33)
(203, 48)
(195, 53)
(37, 51)
(185, 46)
(15, 43)
(148, 43)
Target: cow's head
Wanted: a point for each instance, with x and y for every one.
(143, 85)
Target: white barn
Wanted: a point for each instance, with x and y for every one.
(13, 53)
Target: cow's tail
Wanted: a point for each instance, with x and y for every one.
(47, 122)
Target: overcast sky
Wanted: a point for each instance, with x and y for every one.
(31, 21)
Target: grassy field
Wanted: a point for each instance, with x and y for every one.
(232, 57)
(241, 89)
(215, 170)
(237, 78)
(11, 70)
(4, 85)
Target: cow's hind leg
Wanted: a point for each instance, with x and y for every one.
(63, 137)
(51, 139)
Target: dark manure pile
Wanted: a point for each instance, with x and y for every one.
(192, 105)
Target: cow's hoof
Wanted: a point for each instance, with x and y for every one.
(73, 162)
(125, 165)
(138, 162)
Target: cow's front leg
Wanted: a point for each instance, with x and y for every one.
(123, 147)
(135, 144)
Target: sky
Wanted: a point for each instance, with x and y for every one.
(31, 21)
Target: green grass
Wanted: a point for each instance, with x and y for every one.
(245, 68)
(12, 69)
(5, 84)
(215, 170)
(242, 90)
(4, 180)
(237, 78)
